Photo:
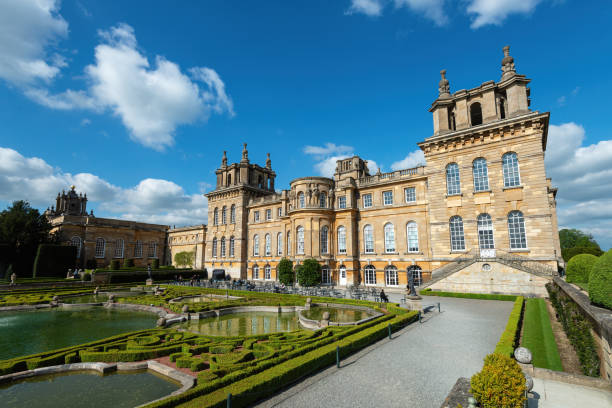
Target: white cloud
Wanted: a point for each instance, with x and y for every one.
(432, 9)
(367, 7)
(413, 159)
(495, 11)
(326, 156)
(151, 98)
(582, 174)
(28, 28)
(151, 200)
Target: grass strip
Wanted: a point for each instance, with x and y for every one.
(538, 335)
(484, 296)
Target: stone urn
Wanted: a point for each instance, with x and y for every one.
(185, 309)
(56, 298)
(324, 319)
(161, 322)
(96, 290)
(308, 303)
(523, 355)
(111, 299)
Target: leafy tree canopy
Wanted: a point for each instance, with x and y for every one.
(309, 273)
(285, 271)
(184, 258)
(571, 238)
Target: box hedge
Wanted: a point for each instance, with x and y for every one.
(600, 281)
(509, 337)
(579, 268)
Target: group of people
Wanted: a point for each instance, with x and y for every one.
(73, 274)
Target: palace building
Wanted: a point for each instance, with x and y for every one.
(480, 216)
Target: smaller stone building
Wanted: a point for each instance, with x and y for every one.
(188, 239)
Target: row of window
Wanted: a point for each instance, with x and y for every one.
(224, 215)
(480, 172)
(387, 197)
(100, 250)
(516, 232)
(369, 272)
(268, 213)
(223, 250)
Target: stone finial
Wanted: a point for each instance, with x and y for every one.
(161, 322)
(245, 153)
(443, 86)
(507, 64)
(268, 162)
(185, 309)
(224, 159)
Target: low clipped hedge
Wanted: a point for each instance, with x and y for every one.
(509, 337)
(501, 383)
(600, 282)
(579, 268)
(485, 296)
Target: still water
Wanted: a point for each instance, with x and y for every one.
(243, 324)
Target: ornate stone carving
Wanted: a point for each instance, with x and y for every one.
(508, 69)
(443, 86)
(523, 355)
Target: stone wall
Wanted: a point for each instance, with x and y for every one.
(499, 279)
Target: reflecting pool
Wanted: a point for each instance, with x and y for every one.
(336, 314)
(86, 389)
(91, 298)
(202, 299)
(243, 324)
(23, 333)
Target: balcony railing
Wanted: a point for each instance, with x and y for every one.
(399, 174)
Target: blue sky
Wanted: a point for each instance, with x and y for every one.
(135, 101)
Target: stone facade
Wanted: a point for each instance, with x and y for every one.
(483, 193)
(188, 239)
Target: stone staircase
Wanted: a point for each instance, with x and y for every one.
(515, 261)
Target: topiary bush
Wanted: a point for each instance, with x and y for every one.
(285, 272)
(501, 383)
(128, 263)
(569, 253)
(155, 263)
(309, 273)
(600, 281)
(579, 268)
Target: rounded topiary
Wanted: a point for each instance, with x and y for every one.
(309, 273)
(579, 268)
(285, 271)
(600, 281)
(501, 383)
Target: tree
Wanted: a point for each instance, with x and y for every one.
(579, 268)
(183, 258)
(569, 253)
(23, 228)
(309, 273)
(285, 271)
(600, 281)
(574, 242)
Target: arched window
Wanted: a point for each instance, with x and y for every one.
(481, 175)
(323, 200)
(231, 249)
(325, 275)
(456, 234)
(138, 249)
(301, 200)
(216, 216)
(324, 241)
(289, 243)
(268, 245)
(389, 238)
(255, 272)
(222, 247)
(279, 243)
(368, 239)
(76, 241)
(152, 250)
(267, 272)
(341, 240)
(300, 240)
(229, 179)
(119, 248)
(255, 245)
(214, 248)
(476, 114)
(224, 215)
(485, 232)
(370, 275)
(233, 214)
(417, 274)
(453, 181)
(100, 247)
(510, 166)
(391, 276)
(516, 230)
(412, 236)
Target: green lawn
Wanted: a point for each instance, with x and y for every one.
(583, 286)
(538, 336)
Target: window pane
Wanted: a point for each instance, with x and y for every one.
(511, 170)
(412, 233)
(389, 238)
(391, 276)
(481, 175)
(279, 243)
(485, 232)
(388, 197)
(268, 245)
(370, 275)
(100, 247)
(323, 200)
(325, 275)
(342, 240)
(516, 230)
(342, 202)
(417, 275)
(368, 239)
(300, 240)
(324, 246)
(301, 200)
(456, 234)
(453, 184)
(367, 200)
(231, 254)
(256, 245)
(410, 194)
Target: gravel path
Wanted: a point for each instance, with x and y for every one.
(417, 368)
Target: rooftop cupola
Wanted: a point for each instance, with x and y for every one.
(443, 86)
(507, 65)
